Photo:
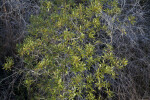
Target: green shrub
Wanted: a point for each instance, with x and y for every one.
(60, 55)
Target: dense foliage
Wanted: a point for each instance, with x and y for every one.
(60, 53)
(73, 50)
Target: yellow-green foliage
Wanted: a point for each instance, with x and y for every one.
(9, 63)
(60, 51)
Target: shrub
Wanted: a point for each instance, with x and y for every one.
(62, 54)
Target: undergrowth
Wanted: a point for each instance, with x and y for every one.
(78, 50)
